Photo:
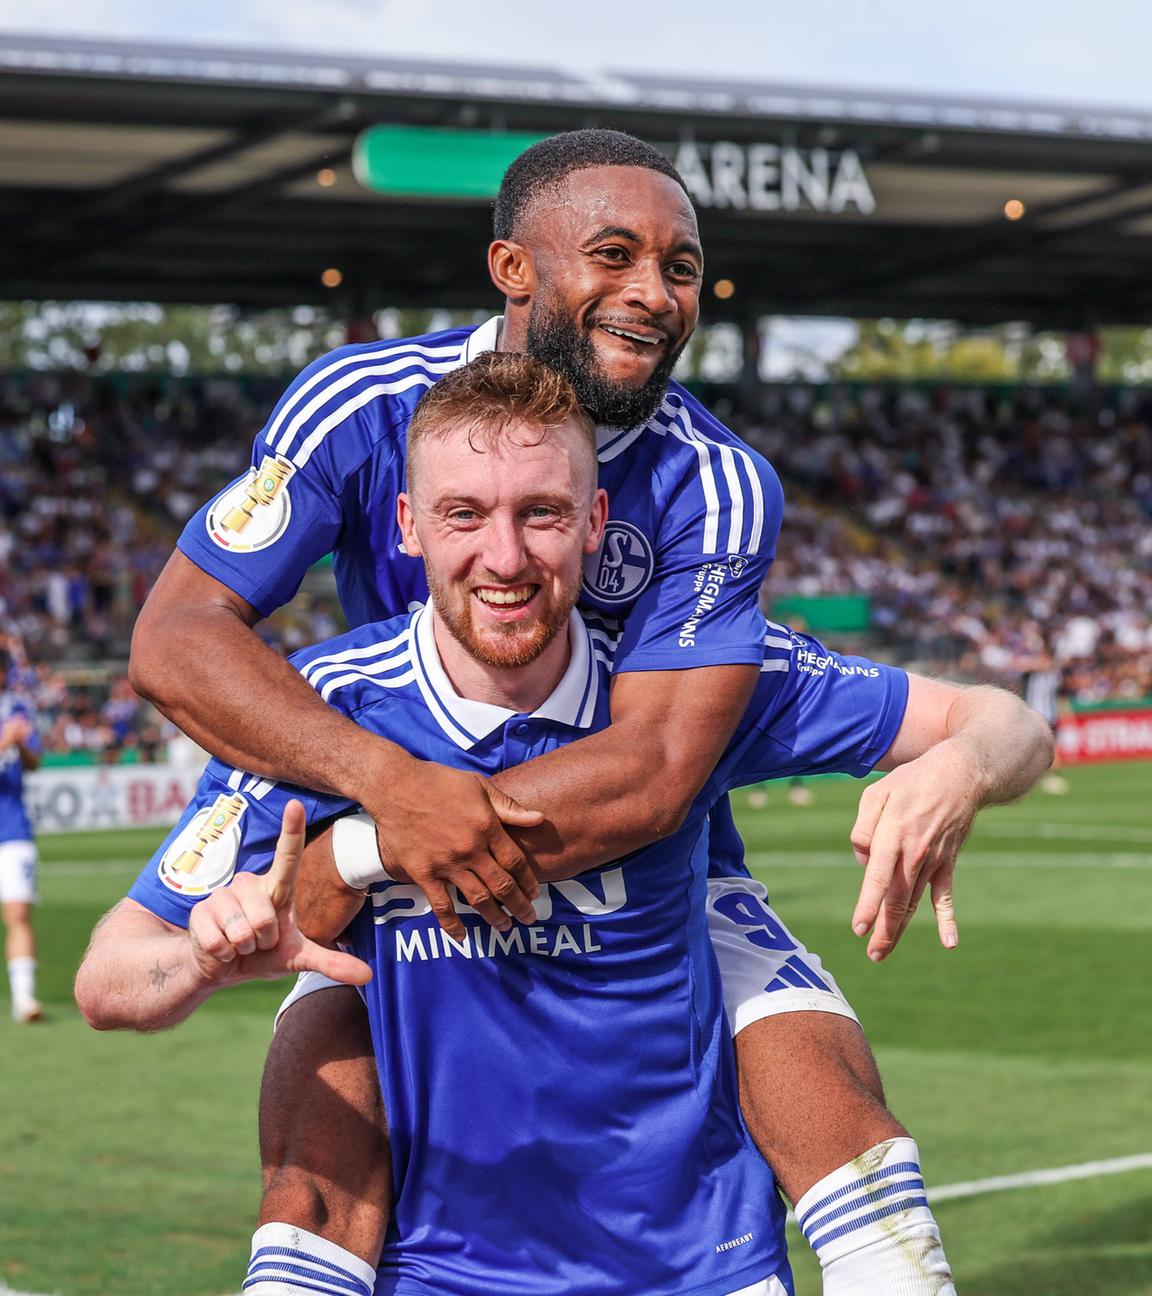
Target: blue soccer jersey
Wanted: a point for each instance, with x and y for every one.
(14, 822)
(694, 513)
(561, 1098)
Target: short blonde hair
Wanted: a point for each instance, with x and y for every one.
(496, 389)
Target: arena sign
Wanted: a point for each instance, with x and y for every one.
(774, 177)
(435, 162)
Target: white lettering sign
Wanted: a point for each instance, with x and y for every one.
(774, 177)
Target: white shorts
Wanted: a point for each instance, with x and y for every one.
(764, 970)
(306, 983)
(18, 869)
(769, 1287)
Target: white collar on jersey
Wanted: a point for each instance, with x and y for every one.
(482, 339)
(467, 722)
(486, 337)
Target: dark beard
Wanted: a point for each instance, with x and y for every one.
(557, 340)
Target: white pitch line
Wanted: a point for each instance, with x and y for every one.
(1033, 1178)
(1059, 831)
(974, 859)
(979, 1187)
(1036, 1178)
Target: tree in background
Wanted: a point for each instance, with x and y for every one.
(102, 337)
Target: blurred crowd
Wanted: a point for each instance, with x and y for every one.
(96, 479)
(997, 533)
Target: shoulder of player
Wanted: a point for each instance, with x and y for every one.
(684, 435)
(795, 661)
(352, 670)
(374, 383)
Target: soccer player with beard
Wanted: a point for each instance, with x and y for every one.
(561, 1098)
(598, 257)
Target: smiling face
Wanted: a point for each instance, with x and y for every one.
(503, 522)
(611, 266)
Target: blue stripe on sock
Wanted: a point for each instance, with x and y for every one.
(302, 1265)
(867, 1196)
(297, 1254)
(296, 1282)
(901, 1167)
(894, 1209)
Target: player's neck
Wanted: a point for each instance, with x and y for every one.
(519, 688)
(513, 331)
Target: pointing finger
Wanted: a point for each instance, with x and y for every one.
(281, 877)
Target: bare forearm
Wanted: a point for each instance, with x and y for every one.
(631, 784)
(1008, 744)
(602, 798)
(325, 904)
(138, 975)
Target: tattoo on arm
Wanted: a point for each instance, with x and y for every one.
(159, 976)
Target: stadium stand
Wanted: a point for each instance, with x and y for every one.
(96, 479)
(994, 531)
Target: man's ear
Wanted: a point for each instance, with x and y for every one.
(513, 270)
(406, 520)
(599, 516)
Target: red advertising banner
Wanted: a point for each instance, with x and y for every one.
(1108, 734)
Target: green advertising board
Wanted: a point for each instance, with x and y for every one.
(824, 613)
(435, 162)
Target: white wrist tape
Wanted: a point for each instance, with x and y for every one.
(356, 853)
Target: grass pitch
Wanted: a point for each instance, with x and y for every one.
(128, 1165)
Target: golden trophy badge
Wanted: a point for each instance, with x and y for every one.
(203, 857)
(254, 512)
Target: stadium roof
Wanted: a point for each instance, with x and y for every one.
(140, 172)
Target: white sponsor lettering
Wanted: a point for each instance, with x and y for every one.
(707, 582)
(812, 663)
(732, 1243)
(400, 900)
(774, 177)
(421, 944)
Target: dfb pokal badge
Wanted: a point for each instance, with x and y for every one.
(253, 513)
(203, 856)
(621, 568)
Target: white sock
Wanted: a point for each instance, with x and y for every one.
(22, 979)
(871, 1226)
(290, 1261)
